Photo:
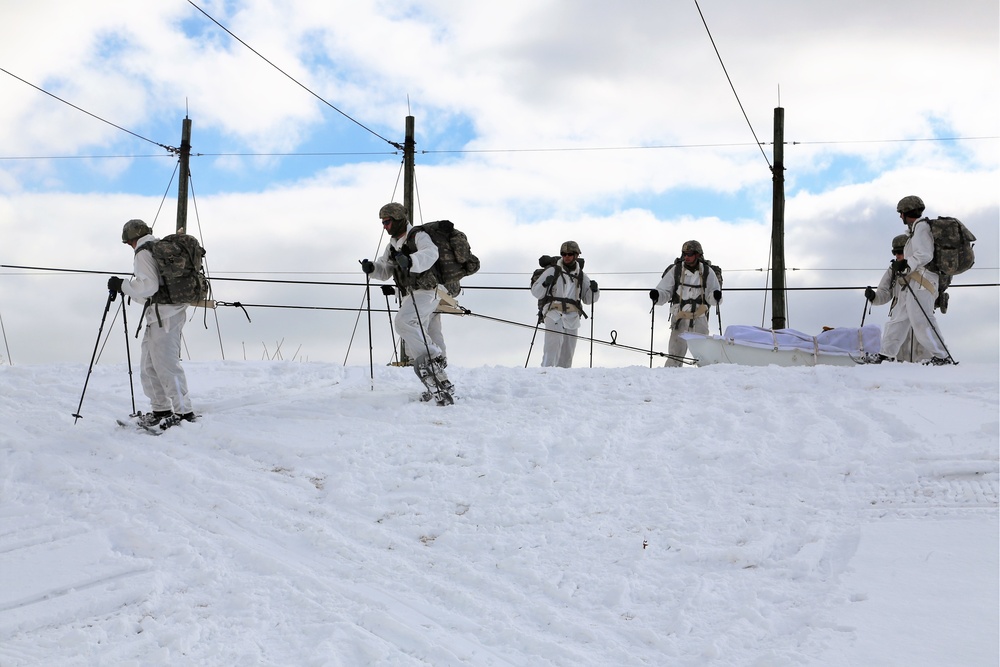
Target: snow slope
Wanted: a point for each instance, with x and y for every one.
(613, 516)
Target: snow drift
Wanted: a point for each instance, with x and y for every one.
(723, 515)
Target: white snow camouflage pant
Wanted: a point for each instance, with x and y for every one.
(914, 310)
(678, 347)
(424, 303)
(560, 342)
(163, 379)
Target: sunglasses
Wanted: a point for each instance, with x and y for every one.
(387, 221)
(690, 254)
(569, 254)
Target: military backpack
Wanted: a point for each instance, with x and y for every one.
(953, 242)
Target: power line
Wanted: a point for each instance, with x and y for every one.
(570, 149)
(80, 157)
(575, 149)
(399, 147)
(293, 79)
(885, 141)
(132, 157)
(699, 145)
(719, 56)
(137, 136)
(327, 283)
(310, 154)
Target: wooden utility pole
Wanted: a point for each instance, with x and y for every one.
(184, 176)
(778, 224)
(409, 148)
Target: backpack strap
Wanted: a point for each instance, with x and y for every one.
(547, 299)
(410, 281)
(918, 278)
(675, 293)
(564, 301)
(142, 316)
(677, 266)
(152, 298)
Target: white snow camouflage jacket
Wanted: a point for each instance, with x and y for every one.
(570, 286)
(690, 289)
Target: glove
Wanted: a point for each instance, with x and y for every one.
(403, 261)
(941, 302)
(654, 295)
(367, 266)
(548, 281)
(718, 295)
(115, 284)
(869, 293)
(593, 285)
(899, 265)
(388, 290)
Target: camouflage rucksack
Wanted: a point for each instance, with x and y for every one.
(179, 259)
(455, 258)
(953, 252)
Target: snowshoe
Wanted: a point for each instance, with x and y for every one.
(151, 419)
(137, 422)
(871, 358)
(435, 380)
(174, 419)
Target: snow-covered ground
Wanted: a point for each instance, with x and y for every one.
(723, 515)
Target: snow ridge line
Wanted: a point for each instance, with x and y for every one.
(69, 589)
(966, 490)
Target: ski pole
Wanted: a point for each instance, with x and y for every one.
(592, 293)
(107, 307)
(387, 291)
(128, 357)
(541, 316)
(371, 358)
(652, 321)
(405, 271)
(420, 323)
(718, 313)
(927, 317)
(357, 320)
(866, 309)
(532, 346)
(427, 347)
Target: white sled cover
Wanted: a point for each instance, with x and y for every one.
(755, 346)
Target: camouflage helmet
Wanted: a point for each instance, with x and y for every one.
(898, 243)
(692, 246)
(393, 210)
(569, 246)
(910, 204)
(135, 229)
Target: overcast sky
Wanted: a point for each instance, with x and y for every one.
(612, 124)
